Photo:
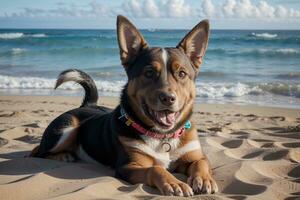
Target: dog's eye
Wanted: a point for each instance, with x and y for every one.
(149, 73)
(182, 74)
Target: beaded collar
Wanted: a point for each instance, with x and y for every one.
(124, 117)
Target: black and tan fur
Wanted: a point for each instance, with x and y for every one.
(160, 80)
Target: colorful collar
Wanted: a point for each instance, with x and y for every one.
(129, 122)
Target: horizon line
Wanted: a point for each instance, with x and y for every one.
(147, 29)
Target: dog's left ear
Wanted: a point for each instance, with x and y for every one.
(194, 44)
(131, 41)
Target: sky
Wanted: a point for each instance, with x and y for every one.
(148, 14)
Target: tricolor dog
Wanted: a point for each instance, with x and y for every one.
(149, 135)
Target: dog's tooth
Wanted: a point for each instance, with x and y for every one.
(164, 120)
(161, 117)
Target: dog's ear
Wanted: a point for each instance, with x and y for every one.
(194, 44)
(131, 41)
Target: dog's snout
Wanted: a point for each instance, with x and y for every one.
(167, 98)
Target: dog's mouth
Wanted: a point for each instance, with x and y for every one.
(164, 118)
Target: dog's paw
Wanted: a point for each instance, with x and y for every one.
(64, 157)
(176, 189)
(203, 185)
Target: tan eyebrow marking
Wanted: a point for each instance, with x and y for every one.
(156, 65)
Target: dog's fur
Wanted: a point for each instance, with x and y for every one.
(159, 95)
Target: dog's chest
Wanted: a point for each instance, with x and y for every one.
(162, 150)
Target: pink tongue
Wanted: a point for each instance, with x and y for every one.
(171, 118)
(164, 118)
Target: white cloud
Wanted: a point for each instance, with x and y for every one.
(92, 9)
(134, 7)
(98, 9)
(177, 8)
(246, 9)
(281, 12)
(155, 9)
(208, 8)
(229, 9)
(294, 13)
(266, 10)
(151, 9)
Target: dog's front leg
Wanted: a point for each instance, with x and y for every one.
(155, 176)
(199, 174)
(200, 177)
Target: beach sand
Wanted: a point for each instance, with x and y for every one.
(254, 151)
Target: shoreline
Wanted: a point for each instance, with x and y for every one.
(197, 105)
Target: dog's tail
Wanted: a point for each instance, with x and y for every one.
(80, 77)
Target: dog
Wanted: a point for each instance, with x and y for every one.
(149, 134)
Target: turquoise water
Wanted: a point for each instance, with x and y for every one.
(242, 67)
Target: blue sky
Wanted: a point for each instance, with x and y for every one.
(175, 14)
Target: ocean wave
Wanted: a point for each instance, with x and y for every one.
(255, 52)
(218, 50)
(85, 49)
(11, 82)
(272, 52)
(288, 76)
(16, 51)
(61, 51)
(20, 35)
(283, 89)
(12, 52)
(11, 35)
(287, 51)
(212, 74)
(257, 39)
(207, 90)
(39, 35)
(218, 90)
(264, 35)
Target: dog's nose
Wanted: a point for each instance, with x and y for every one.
(167, 99)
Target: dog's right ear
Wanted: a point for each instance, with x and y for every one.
(131, 41)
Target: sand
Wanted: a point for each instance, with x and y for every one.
(254, 151)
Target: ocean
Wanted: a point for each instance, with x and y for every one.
(260, 67)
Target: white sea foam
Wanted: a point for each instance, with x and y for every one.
(288, 51)
(15, 51)
(264, 35)
(11, 35)
(20, 35)
(279, 51)
(210, 90)
(217, 90)
(110, 86)
(270, 51)
(40, 35)
(11, 82)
